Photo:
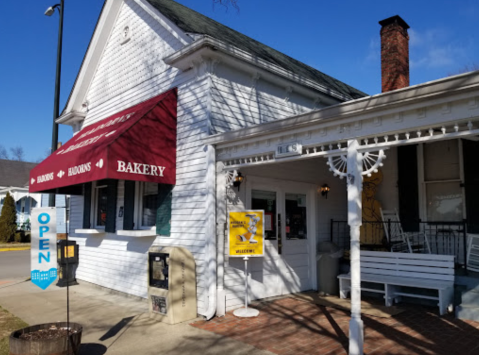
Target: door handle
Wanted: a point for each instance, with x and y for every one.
(280, 240)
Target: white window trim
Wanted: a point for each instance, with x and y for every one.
(136, 233)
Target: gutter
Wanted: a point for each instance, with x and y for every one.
(180, 60)
(71, 117)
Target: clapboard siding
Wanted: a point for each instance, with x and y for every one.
(239, 101)
(124, 66)
(227, 99)
(126, 75)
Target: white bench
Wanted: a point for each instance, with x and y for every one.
(398, 270)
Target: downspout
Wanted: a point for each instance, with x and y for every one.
(220, 233)
(211, 229)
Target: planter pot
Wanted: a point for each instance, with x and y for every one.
(64, 345)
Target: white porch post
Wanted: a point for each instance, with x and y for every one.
(210, 230)
(354, 169)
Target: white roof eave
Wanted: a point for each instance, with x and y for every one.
(360, 109)
(184, 60)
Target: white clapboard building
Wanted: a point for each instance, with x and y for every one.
(238, 106)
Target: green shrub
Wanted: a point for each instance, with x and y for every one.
(20, 236)
(27, 237)
(8, 219)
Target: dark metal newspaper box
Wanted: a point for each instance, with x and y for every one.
(67, 252)
(171, 284)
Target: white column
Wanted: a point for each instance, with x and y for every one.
(354, 169)
(210, 230)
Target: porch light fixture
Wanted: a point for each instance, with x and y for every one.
(324, 190)
(238, 180)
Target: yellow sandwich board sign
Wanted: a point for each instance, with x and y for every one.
(246, 233)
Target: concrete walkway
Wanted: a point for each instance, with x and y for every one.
(114, 324)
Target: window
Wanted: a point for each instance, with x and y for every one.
(442, 181)
(101, 198)
(99, 205)
(266, 200)
(148, 204)
(295, 216)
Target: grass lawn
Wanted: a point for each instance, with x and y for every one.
(8, 323)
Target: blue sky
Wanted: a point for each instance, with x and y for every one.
(340, 38)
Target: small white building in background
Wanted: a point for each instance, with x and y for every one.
(237, 102)
(14, 177)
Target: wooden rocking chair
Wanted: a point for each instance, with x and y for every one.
(400, 241)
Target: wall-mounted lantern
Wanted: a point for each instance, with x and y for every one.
(324, 190)
(238, 179)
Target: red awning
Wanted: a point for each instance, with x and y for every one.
(138, 143)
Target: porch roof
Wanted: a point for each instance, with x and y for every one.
(440, 109)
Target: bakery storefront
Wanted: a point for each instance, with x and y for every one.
(136, 146)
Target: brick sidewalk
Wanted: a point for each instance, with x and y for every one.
(290, 326)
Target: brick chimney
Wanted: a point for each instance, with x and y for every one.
(394, 54)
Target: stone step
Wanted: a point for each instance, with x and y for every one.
(467, 313)
(470, 297)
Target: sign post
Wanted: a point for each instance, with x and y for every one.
(43, 247)
(246, 239)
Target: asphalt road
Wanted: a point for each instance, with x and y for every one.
(14, 265)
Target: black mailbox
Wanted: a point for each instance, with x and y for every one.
(67, 260)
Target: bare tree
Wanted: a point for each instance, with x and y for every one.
(465, 69)
(17, 153)
(3, 153)
(45, 155)
(226, 3)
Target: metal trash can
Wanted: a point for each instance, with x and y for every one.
(327, 263)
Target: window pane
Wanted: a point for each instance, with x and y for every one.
(444, 202)
(101, 206)
(441, 160)
(266, 200)
(295, 216)
(149, 204)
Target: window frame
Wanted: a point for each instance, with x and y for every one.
(423, 183)
(138, 207)
(94, 204)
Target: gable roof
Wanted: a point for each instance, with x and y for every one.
(193, 22)
(15, 173)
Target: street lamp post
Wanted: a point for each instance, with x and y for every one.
(56, 106)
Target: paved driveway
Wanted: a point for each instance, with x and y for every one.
(14, 265)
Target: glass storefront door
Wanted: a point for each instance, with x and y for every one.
(286, 264)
